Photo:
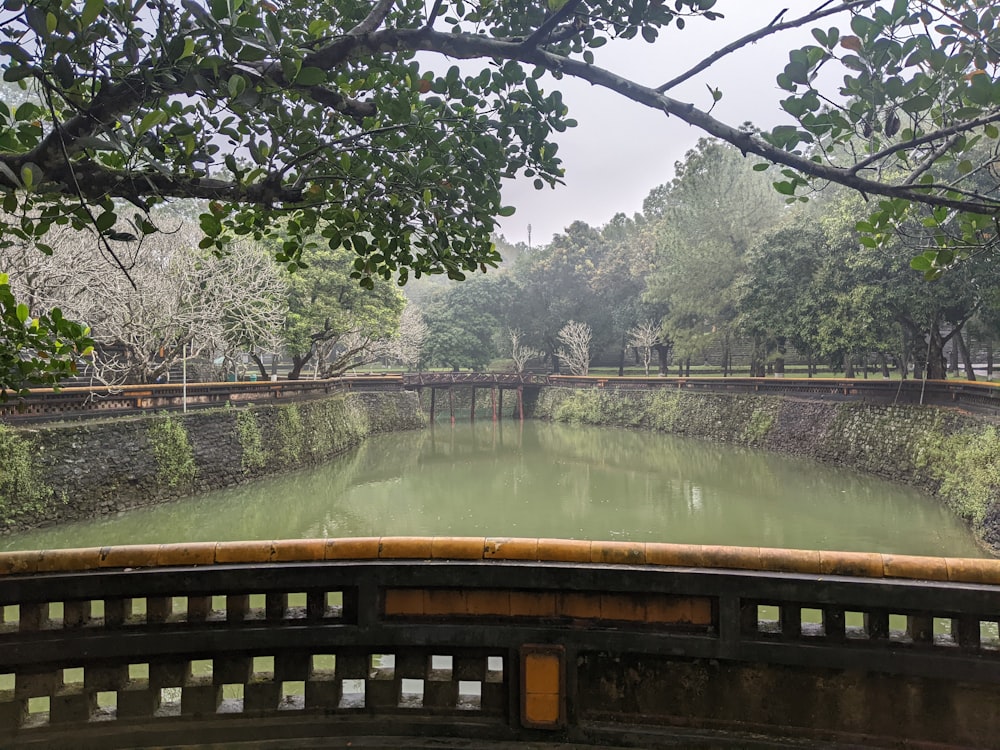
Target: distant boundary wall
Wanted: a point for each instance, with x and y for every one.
(96, 468)
(953, 455)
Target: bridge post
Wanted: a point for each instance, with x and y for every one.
(472, 409)
(451, 403)
(433, 395)
(520, 402)
(500, 407)
(493, 401)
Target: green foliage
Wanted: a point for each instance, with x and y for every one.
(967, 465)
(171, 447)
(291, 435)
(463, 320)
(760, 423)
(36, 350)
(22, 489)
(254, 456)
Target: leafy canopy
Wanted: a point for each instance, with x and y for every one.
(289, 116)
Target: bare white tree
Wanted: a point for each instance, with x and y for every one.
(407, 346)
(644, 337)
(575, 350)
(519, 352)
(176, 298)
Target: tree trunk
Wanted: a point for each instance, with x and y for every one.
(935, 356)
(953, 354)
(297, 364)
(662, 351)
(963, 348)
(687, 367)
(989, 360)
(260, 365)
(621, 359)
(809, 365)
(848, 366)
(884, 363)
(555, 363)
(779, 360)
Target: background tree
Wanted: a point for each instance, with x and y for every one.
(644, 337)
(520, 354)
(407, 347)
(331, 320)
(463, 323)
(574, 351)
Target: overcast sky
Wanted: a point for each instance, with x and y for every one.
(621, 150)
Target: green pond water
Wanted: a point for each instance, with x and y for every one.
(547, 480)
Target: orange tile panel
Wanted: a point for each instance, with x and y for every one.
(911, 566)
(626, 607)
(564, 550)
(362, 548)
(458, 548)
(19, 562)
(680, 555)
(84, 558)
(244, 552)
(501, 548)
(404, 602)
(299, 550)
(739, 558)
(865, 564)
(676, 610)
(789, 560)
(542, 673)
(194, 553)
(580, 606)
(532, 604)
(971, 570)
(620, 553)
(488, 603)
(404, 548)
(541, 709)
(445, 602)
(130, 556)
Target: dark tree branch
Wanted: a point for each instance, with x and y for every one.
(374, 19)
(756, 36)
(539, 35)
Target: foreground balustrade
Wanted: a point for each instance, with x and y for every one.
(541, 641)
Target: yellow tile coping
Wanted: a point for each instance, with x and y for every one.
(807, 562)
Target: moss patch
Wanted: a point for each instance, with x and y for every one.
(172, 450)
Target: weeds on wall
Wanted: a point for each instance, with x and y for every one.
(291, 435)
(22, 491)
(172, 450)
(253, 455)
(967, 464)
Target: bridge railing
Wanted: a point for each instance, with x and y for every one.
(48, 404)
(494, 639)
(80, 402)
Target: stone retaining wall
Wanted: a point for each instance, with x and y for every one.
(953, 455)
(87, 469)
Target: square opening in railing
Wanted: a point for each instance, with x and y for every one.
(96, 612)
(334, 604)
(218, 608)
(854, 625)
(322, 666)
(470, 695)
(232, 698)
(441, 668)
(263, 667)
(812, 623)
(898, 628)
(107, 705)
(178, 608)
(38, 711)
(72, 676)
(293, 694)
(170, 702)
(989, 635)
(7, 681)
(382, 667)
(201, 669)
(411, 693)
(494, 669)
(768, 618)
(943, 633)
(137, 609)
(11, 616)
(138, 671)
(352, 694)
(296, 608)
(55, 614)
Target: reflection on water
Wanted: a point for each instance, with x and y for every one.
(539, 479)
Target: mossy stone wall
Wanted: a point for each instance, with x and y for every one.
(94, 468)
(953, 455)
